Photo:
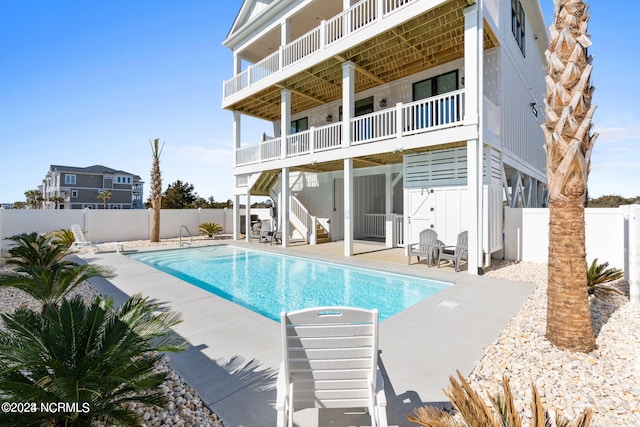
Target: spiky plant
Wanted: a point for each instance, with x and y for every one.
(210, 228)
(35, 249)
(568, 145)
(97, 356)
(473, 411)
(50, 285)
(600, 274)
(64, 236)
(156, 189)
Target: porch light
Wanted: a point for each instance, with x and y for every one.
(383, 103)
(329, 118)
(534, 110)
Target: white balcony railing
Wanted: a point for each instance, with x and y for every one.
(374, 225)
(426, 115)
(302, 47)
(360, 15)
(374, 126)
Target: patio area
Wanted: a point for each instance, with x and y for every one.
(234, 353)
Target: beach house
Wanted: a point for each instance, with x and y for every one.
(389, 117)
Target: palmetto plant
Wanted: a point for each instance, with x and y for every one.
(598, 275)
(474, 412)
(50, 285)
(64, 236)
(96, 356)
(42, 270)
(35, 249)
(210, 228)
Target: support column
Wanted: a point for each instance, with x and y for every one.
(236, 217)
(247, 222)
(348, 207)
(632, 252)
(237, 64)
(348, 100)
(284, 208)
(285, 120)
(473, 69)
(389, 237)
(236, 136)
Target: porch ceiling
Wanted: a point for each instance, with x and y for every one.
(428, 40)
(268, 178)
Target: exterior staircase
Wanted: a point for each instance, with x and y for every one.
(322, 235)
(267, 183)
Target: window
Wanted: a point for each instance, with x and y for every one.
(364, 106)
(74, 194)
(447, 82)
(517, 23)
(360, 108)
(300, 125)
(70, 179)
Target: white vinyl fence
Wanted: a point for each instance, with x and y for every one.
(611, 234)
(113, 225)
(527, 235)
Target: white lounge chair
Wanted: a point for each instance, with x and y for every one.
(81, 241)
(455, 253)
(428, 246)
(330, 360)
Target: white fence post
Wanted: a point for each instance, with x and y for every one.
(632, 252)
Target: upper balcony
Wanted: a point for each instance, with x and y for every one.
(386, 40)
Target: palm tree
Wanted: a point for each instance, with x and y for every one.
(104, 195)
(97, 356)
(568, 146)
(56, 200)
(156, 190)
(34, 197)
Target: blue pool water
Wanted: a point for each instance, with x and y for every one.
(268, 283)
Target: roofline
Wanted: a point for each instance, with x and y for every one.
(235, 33)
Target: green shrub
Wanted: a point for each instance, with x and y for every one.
(210, 228)
(600, 274)
(96, 356)
(42, 270)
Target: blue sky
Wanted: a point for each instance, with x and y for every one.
(92, 82)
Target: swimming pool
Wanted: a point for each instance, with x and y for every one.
(268, 283)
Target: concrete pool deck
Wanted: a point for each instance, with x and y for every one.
(234, 353)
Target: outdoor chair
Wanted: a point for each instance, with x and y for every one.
(330, 360)
(428, 246)
(457, 252)
(81, 241)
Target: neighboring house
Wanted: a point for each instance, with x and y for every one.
(390, 116)
(69, 187)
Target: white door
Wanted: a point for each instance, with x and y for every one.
(420, 212)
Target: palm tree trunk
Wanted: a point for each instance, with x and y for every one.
(156, 190)
(568, 146)
(568, 311)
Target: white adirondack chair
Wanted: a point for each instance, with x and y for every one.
(330, 360)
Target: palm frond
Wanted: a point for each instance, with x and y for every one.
(430, 416)
(505, 405)
(84, 353)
